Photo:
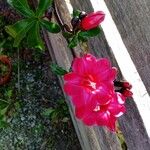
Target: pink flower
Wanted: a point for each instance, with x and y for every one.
(92, 20)
(91, 80)
(102, 115)
(91, 86)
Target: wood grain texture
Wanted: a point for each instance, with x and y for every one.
(91, 138)
(133, 21)
(131, 122)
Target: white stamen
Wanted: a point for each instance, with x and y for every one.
(93, 85)
(97, 108)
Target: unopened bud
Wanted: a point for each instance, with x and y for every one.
(75, 22)
(127, 93)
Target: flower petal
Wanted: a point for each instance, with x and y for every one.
(84, 65)
(101, 98)
(89, 120)
(112, 124)
(72, 89)
(120, 98)
(103, 95)
(116, 109)
(81, 99)
(103, 64)
(92, 20)
(80, 112)
(103, 119)
(73, 78)
(108, 75)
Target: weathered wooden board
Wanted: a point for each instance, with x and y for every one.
(133, 21)
(91, 138)
(131, 123)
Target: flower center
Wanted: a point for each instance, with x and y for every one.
(93, 85)
(89, 83)
(97, 108)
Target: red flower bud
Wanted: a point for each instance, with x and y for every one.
(92, 20)
(127, 93)
(127, 85)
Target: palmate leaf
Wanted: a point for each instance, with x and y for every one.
(34, 39)
(33, 22)
(50, 26)
(22, 33)
(22, 6)
(19, 29)
(14, 29)
(43, 5)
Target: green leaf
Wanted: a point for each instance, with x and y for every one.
(34, 38)
(54, 116)
(43, 6)
(58, 70)
(48, 112)
(17, 105)
(67, 35)
(74, 42)
(22, 6)
(14, 29)
(3, 124)
(3, 111)
(76, 13)
(65, 119)
(2, 43)
(22, 33)
(50, 26)
(3, 104)
(82, 38)
(90, 33)
(8, 94)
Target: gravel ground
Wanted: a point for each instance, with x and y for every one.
(40, 89)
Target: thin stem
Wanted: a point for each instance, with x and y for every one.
(2, 100)
(84, 47)
(19, 91)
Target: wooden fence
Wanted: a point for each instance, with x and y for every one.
(133, 22)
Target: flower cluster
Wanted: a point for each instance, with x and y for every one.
(91, 86)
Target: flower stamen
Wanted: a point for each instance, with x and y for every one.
(97, 108)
